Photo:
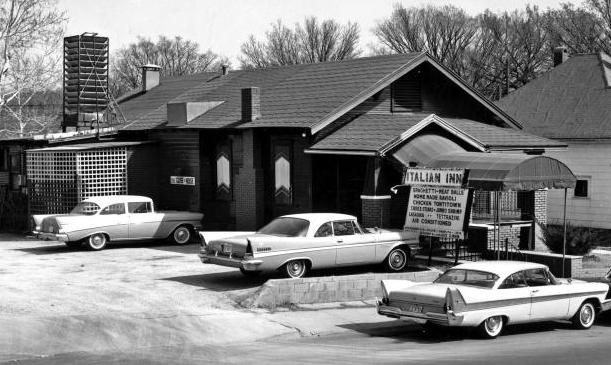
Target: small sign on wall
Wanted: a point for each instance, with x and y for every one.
(182, 180)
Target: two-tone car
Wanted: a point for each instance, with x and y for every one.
(101, 219)
(492, 294)
(295, 244)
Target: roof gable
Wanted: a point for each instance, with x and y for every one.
(571, 101)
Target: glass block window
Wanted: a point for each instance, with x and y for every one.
(282, 175)
(223, 171)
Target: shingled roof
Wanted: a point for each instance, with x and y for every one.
(572, 101)
(363, 134)
(291, 96)
(308, 96)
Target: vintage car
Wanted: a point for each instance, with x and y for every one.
(492, 294)
(102, 219)
(298, 243)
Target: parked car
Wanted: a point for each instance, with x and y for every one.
(492, 294)
(102, 219)
(298, 243)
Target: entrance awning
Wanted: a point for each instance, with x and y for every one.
(501, 171)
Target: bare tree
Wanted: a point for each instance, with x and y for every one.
(445, 32)
(312, 42)
(581, 29)
(176, 56)
(30, 39)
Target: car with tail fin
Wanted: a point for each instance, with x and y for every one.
(295, 244)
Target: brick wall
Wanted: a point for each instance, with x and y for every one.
(376, 211)
(249, 185)
(327, 289)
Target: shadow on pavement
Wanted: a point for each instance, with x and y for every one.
(155, 245)
(402, 331)
(222, 281)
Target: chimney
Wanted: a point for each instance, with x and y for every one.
(150, 76)
(561, 54)
(224, 69)
(251, 104)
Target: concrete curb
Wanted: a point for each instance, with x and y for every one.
(349, 288)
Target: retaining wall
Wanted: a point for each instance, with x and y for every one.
(285, 292)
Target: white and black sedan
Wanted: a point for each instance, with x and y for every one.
(297, 243)
(492, 294)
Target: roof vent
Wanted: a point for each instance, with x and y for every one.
(561, 54)
(224, 69)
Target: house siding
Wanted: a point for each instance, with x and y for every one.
(585, 159)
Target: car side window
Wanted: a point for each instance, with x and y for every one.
(537, 277)
(343, 228)
(515, 280)
(324, 231)
(139, 207)
(118, 208)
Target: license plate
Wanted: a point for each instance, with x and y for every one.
(226, 248)
(415, 308)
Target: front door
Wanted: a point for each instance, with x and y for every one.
(143, 223)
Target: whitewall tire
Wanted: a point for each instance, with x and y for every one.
(97, 241)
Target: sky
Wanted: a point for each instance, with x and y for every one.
(222, 26)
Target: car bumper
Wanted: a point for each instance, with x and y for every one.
(248, 265)
(445, 319)
(51, 236)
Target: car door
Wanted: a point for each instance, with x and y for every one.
(114, 221)
(353, 247)
(549, 299)
(514, 296)
(143, 223)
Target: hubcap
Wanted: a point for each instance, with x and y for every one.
(296, 268)
(586, 315)
(181, 235)
(97, 240)
(493, 325)
(397, 260)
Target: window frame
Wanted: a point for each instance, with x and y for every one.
(111, 205)
(148, 204)
(588, 187)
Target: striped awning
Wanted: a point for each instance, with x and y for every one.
(503, 171)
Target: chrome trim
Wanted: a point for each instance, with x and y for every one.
(51, 236)
(250, 265)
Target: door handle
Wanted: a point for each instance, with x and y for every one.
(340, 241)
(535, 291)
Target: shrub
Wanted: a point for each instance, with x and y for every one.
(579, 240)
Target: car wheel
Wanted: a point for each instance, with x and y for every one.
(74, 245)
(491, 327)
(296, 269)
(181, 235)
(249, 273)
(396, 260)
(585, 316)
(97, 241)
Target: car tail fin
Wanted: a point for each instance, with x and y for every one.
(249, 251)
(454, 300)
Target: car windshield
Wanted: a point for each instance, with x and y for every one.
(286, 227)
(481, 279)
(85, 208)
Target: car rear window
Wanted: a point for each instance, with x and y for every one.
(286, 227)
(86, 208)
(477, 278)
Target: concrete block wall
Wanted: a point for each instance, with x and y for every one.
(510, 233)
(284, 292)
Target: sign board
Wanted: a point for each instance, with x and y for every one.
(437, 211)
(182, 180)
(417, 176)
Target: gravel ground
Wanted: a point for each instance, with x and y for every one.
(54, 300)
